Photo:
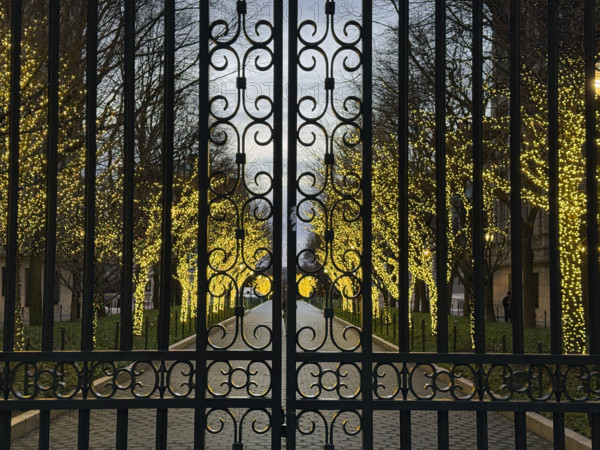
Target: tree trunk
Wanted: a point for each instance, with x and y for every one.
(488, 299)
(99, 305)
(425, 304)
(156, 288)
(529, 318)
(76, 295)
(34, 286)
(449, 289)
(176, 292)
(467, 304)
(419, 295)
(75, 305)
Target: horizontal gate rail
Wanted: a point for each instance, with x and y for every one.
(177, 355)
(322, 404)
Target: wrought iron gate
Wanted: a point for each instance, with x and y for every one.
(322, 379)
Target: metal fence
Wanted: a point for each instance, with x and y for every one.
(478, 381)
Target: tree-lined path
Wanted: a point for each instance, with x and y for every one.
(63, 433)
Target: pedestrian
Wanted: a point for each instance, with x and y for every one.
(507, 303)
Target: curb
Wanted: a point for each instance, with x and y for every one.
(536, 423)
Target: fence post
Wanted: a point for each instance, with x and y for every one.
(176, 324)
(497, 315)
(423, 333)
(60, 314)
(503, 351)
(412, 333)
(455, 333)
(540, 384)
(117, 336)
(146, 333)
(62, 338)
(394, 325)
(545, 317)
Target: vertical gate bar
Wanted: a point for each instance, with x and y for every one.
(515, 176)
(440, 175)
(83, 429)
(14, 118)
(478, 222)
(128, 192)
(290, 300)
(515, 200)
(90, 167)
(167, 203)
(478, 214)
(167, 174)
(128, 182)
(555, 293)
(51, 175)
(553, 224)
(367, 225)
(591, 171)
(441, 217)
(277, 223)
(403, 280)
(203, 162)
(51, 200)
(44, 430)
(5, 423)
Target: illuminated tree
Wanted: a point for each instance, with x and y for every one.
(32, 157)
(572, 201)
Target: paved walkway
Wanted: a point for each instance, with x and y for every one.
(180, 431)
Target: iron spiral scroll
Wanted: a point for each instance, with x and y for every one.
(240, 197)
(326, 193)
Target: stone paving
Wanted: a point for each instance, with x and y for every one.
(63, 432)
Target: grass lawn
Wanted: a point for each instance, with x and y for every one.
(107, 336)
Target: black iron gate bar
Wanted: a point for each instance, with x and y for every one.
(522, 369)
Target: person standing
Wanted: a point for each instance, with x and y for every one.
(507, 303)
